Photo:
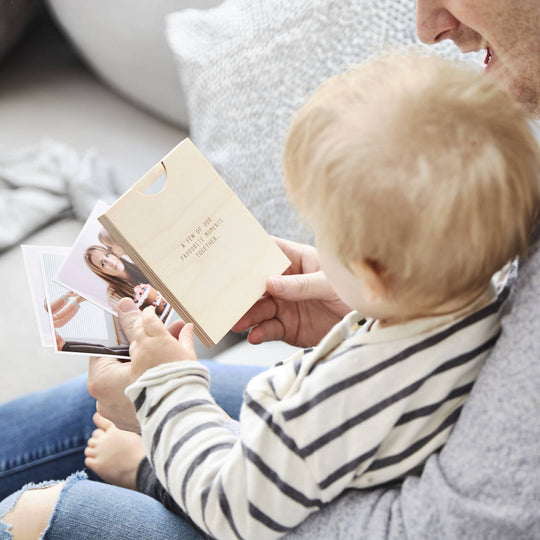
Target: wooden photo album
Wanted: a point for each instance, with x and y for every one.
(200, 247)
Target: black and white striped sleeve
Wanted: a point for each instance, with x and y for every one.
(216, 477)
(259, 486)
(350, 416)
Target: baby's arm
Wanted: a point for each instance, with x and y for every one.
(153, 344)
(258, 486)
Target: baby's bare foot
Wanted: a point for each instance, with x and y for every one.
(113, 454)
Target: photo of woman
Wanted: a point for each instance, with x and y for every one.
(98, 269)
(78, 326)
(124, 279)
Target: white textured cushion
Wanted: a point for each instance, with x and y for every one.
(124, 42)
(247, 66)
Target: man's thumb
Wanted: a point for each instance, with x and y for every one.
(128, 315)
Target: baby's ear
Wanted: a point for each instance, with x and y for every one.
(370, 273)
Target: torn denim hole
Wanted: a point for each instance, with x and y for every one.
(8, 504)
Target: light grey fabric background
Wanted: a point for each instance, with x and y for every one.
(47, 92)
(246, 67)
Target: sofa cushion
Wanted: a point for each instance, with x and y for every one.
(123, 41)
(247, 66)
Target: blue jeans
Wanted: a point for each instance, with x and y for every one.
(43, 437)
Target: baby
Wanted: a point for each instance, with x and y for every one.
(420, 179)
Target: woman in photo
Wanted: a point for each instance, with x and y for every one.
(124, 279)
(105, 238)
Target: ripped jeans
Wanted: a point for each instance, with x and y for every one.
(89, 510)
(43, 437)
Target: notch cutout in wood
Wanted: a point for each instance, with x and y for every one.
(158, 184)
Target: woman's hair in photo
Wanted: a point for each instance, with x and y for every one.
(118, 287)
(105, 238)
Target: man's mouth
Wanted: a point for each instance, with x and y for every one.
(489, 57)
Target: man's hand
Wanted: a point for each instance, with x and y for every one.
(299, 307)
(108, 378)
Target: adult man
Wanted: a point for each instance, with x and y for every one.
(486, 481)
(506, 30)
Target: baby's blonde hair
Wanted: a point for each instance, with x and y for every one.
(420, 166)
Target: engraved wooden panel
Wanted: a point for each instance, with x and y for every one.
(196, 242)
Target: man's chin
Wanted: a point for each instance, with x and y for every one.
(525, 89)
(528, 94)
(530, 100)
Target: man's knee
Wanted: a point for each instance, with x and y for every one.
(33, 510)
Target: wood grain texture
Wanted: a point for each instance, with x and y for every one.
(196, 241)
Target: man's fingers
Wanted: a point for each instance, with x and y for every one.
(103, 372)
(298, 287)
(99, 364)
(128, 315)
(107, 381)
(271, 330)
(264, 309)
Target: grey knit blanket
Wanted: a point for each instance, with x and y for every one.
(46, 182)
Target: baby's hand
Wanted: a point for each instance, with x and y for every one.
(153, 345)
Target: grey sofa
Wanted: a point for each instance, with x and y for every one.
(48, 91)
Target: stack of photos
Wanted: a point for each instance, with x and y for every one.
(75, 292)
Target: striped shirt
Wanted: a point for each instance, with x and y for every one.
(365, 407)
